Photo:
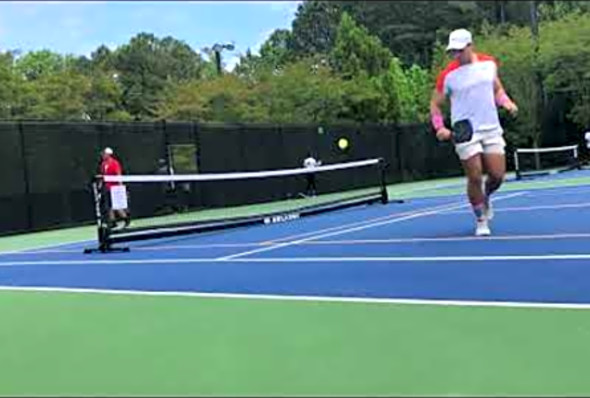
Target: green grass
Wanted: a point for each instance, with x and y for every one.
(72, 344)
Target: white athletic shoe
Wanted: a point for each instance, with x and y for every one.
(482, 228)
(489, 210)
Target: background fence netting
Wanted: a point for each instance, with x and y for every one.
(51, 164)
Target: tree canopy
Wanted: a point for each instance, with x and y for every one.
(363, 61)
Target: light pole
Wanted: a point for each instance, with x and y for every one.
(540, 100)
(217, 49)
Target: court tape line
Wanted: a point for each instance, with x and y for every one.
(325, 299)
(42, 248)
(392, 259)
(354, 224)
(416, 214)
(342, 242)
(533, 208)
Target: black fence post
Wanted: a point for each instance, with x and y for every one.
(166, 143)
(199, 191)
(28, 199)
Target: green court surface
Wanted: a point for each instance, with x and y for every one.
(69, 344)
(76, 343)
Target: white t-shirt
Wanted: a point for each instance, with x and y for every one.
(587, 137)
(470, 88)
(311, 162)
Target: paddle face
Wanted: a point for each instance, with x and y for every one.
(462, 131)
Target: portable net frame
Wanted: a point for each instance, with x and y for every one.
(173, 205)
(534, 162)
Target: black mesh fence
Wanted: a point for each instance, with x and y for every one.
(60, 162)
(422, 156)
(221, 150)
(52, 163)
(13, 189)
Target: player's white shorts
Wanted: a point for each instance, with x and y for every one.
(482, 142)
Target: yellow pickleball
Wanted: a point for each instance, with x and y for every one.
(342, 143)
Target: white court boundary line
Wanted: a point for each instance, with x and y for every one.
(41, 250)
(533, 208)
(330, 299)
(357, 223)
(277, 260)
(419, 213)
(342, 242)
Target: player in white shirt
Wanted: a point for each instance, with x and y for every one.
(309, 163)
(474, 89)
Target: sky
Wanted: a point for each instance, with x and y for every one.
(79, 27)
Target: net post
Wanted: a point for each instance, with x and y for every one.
(577, 159)
(516, 165)
(101, 232)
(384, 196)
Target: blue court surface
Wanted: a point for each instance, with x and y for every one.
(423, 249)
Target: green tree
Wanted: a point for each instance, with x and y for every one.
(515, 53)
(8, 85)
(314, 27)
(104, 97)
(304, 91)
(226, 98)
(363, 100)
(59, 96)
(355, 50)
(406, 93)
(409, 28)
(36, 64)
(146, 65)
(275, 53)
(566, 63)
(103, 59)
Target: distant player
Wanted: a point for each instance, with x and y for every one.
(110, 166)
(310, 162)
(472, 84)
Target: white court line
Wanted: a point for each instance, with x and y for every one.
(532, 208)
(354, 224)
(420, 213)
(451, 239)
(329, 299)
(277, 260)
(345, 242)
(562, 191)
(48, 246)
(40, 249)
(228, 245)
(151, 248)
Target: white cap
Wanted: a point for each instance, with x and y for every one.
(108, 151)
(459, 39)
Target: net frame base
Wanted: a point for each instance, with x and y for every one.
(107, 238)
(521, 174)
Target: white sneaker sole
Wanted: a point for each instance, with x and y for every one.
(483, 232)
